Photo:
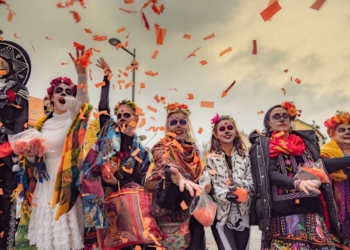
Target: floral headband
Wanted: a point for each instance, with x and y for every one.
(177, 107)
(340, 117)
(291, 110)
(216, 119)
(59, 80)
(125, 102)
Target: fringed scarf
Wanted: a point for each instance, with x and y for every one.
(293, 145)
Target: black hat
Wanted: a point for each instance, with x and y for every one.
(18, 60)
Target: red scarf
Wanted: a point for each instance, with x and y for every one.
(293, 145)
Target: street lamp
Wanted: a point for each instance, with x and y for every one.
(114, 42)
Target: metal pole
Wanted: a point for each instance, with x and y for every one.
(133, 77)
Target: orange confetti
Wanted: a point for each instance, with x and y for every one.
(15, 35)
(97, 50)
(260, 112)
(103, 112)
(151, 109)
(76, 16)
(88, 31)
(90, 74)
(206, 104)
(200, 130)
(255, 49)
(138, 159)
(203, 62)
(129, 2)
(285, 71)
(25, 125)
(160, 34)
(156, 98)
(171, 134)
(142, 123)
(2, 234)
(173, 89)
(153, 128)
(128, 11)
(132, 124)
(209, 37)
(35, 205)
(155, 53)
(125, 74)
(142, 86)
(318, 4)
(192, 54)
(225, 51)
(139, 111)
(270, 11)
(110, 77)
(127, 170)
(126, 44)
(284, 91)
(48, 38)
(127, 36)
(85, 88)
(183, 205)
(2, 164)
(63, 63)
(129, 84)
(153, 118)
(16, 106)
(3, 72)
(212, 172)
(121, 30)
(224, 93)
(150, 73)
(100, 84)
(297, 80)
(187, 36)
(10, 16)
(1, 192)
(121, 81)
(2, 39)
(190, 96)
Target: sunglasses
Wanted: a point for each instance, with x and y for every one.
(124, 115)
(278, 117)
(174, 122)
(223, 128)
(68, 91)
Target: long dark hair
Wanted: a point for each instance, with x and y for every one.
(238, 143)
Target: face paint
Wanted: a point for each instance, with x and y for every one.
(225, 132)
(181, 131)
(58, 99)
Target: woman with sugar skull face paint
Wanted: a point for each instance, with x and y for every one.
(338, 129)
(56, 220)
(230, 167)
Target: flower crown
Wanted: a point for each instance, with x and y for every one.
(340, 117)
(216, 119)
(177, 107)
(291, 110)
(59, 80)
(125, 102)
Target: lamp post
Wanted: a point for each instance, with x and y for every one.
(114, 42)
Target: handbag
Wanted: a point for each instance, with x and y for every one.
(129, 219)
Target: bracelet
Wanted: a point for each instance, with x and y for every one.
(297, 184)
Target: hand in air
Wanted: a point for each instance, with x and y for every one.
(183, 182)
(79, 69)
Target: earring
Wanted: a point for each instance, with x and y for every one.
(270, 129)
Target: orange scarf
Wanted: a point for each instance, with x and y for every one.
(293, 145)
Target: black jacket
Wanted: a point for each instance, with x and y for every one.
(260, 211)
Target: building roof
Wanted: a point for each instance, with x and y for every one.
(313, 127)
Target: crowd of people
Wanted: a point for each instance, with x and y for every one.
(297, 193)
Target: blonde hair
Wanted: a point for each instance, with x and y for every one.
(190, 134)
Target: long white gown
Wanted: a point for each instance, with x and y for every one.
(44, 231)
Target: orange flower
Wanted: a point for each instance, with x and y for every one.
(292, 111)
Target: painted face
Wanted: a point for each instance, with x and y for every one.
(178, 123)
(4, 68)
(225, 132)
(279, 120)
(62, 90)
(342, 134)
(124, 116)
(47, 106)
(112, 219)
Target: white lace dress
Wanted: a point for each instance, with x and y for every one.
(44, 231)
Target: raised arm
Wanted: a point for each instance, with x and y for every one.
(104, 97)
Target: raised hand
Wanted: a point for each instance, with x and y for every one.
(102, 64)
(79, 69)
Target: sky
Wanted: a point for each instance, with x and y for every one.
(312, 44)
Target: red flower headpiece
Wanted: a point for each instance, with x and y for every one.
(291, 110)
(59, 80)
(341, 117)
(177, 106)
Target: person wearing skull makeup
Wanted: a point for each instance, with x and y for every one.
(55, 207)
(116, 141)
(15, 68)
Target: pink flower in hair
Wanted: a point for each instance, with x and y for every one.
(215, 119)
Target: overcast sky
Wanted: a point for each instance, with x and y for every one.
(313, 45)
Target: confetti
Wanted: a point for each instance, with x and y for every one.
(318, 4)
(150, 73)
(192, 54)
(171, 134)
(121, 30)
(48, 38)
(135, 152)
(173, 89)
(128, 11)
(183, 205)
(128, 1)
(127, 170)
(154, 55)
(156, 98)
(203, 62)
(297, 80)
(15, 35)
(142, 86)
(285, 71)
(160, 34)
(206, 104)
(224, 93)
(145, 20)
(76, 16)
(254, 48)
(190, 96)
(200, 130)
(260, 112)
(225, 51)
(103, 112)
(270, 11)
(90, 74)
(17, 106)
(151, 109)
(212, 172)
(284, 91)
(88, 31)
(187, 36)
(128, 85)
(100, 84)
(10, 16)
(209, 37)
(142, 123)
